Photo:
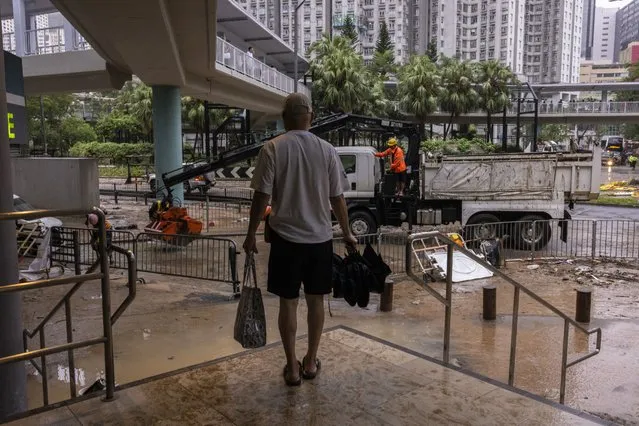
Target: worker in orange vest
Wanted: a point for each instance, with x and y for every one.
(398, 165)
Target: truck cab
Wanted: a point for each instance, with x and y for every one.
(363, 170)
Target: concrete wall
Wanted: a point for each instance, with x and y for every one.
(57, 183)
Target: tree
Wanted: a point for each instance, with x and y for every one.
(554, 132)
(348, 29)
(383, 64)
(431, 50)
(120, 127)
(339, 76)
(418, 88)
(74, 130)
(458, 95)
(493, 79)
(53, 109)
(384, 42)
(136, 99)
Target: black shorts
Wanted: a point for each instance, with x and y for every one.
(402, 177)
(291, 264)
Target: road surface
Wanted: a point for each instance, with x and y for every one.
(586, 211)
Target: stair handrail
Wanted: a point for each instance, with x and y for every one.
(451, 246)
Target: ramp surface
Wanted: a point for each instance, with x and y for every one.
(364, 381)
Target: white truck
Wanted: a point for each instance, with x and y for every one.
(472, 190)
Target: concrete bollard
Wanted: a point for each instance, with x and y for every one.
(584, 303)
(386, 300)
(490, 302)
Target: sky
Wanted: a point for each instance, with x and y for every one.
(608, 3)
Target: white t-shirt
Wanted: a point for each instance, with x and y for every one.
(300, 172)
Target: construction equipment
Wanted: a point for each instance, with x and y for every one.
(168, 220)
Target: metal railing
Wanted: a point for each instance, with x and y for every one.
(45, 41)
(561, 109)
(237, 60)
(446, 300)
(107, 320)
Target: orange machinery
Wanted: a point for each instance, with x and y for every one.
(173, 222)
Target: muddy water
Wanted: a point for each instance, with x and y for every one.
(177, 322)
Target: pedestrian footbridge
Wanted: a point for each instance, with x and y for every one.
(199, 46)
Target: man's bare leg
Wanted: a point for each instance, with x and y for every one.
(287, 322)
(315, 319)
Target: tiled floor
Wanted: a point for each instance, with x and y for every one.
(362, 382)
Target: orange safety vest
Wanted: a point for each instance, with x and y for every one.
(398, 165)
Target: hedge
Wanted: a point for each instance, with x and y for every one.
(115, 153)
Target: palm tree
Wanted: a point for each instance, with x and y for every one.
(418, 88)
(493, 79)
(458, 95)
(339, 75)
(383, 63)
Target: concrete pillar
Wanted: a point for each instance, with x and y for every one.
(277, 17)
(604, 96)
(167, 133)
(69, 36)
(13, 378)
(20, 25)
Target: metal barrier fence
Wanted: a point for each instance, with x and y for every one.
(201, 257)
(220, 216)
(617, 239)
(390, 245)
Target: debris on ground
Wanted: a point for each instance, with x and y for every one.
(532, 267)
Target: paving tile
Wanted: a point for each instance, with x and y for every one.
(59, 417)
(162, 402)
(370, 346)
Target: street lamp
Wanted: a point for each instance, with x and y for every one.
(300, 4)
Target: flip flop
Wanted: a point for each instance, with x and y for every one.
(310, 376)
(293, 382)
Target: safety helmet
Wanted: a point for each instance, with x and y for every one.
(392, 142)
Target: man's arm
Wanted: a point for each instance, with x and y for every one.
(341, 213)
(258, 207)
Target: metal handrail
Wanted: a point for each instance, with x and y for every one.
(447, 301)
(103, 275)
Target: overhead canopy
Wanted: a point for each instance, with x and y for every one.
(239, 22)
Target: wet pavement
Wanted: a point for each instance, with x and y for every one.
(363, 381)
(177, 322)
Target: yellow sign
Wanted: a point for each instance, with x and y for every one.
(11, 126)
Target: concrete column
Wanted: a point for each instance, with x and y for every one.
(604, 96)
(277, 17)
(69, 36)
(13, 378)
(167, 133)
(20, 25)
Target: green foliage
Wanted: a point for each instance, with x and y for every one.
(348, 30)
(121, 171)
(458, 95)
(54, 109)
(384, 42)
(74, 130)
(119, 126)
(431, 50)
(113, 153)
(419, 87)
(340, 80)
(458, 146)
(554, 132)
(383, 64)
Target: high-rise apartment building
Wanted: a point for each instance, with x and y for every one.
(627, 27)
(553, 40)
(317, 17)
(588, 29)
(603, 47)
(479, 30)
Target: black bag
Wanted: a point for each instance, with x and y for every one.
(338, 276)
(378, 267)
(358, 280)
(250, 320)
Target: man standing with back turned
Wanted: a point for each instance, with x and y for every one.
(304, 177)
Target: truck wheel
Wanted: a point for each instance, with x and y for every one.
(362, 223)
(481, 227)
(531, 235)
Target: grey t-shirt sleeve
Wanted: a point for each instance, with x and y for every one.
(338, 182)
(264, 173)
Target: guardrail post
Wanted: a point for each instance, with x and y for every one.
(76, 253)
(207, 214)
(233, 266)
(594, 238)
(490, 302)
(386, 299)
(564, 362)
(449, 300)
(109, 365)
(584, 303)
(136, 189)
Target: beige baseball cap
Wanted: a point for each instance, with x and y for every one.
(297, 104)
